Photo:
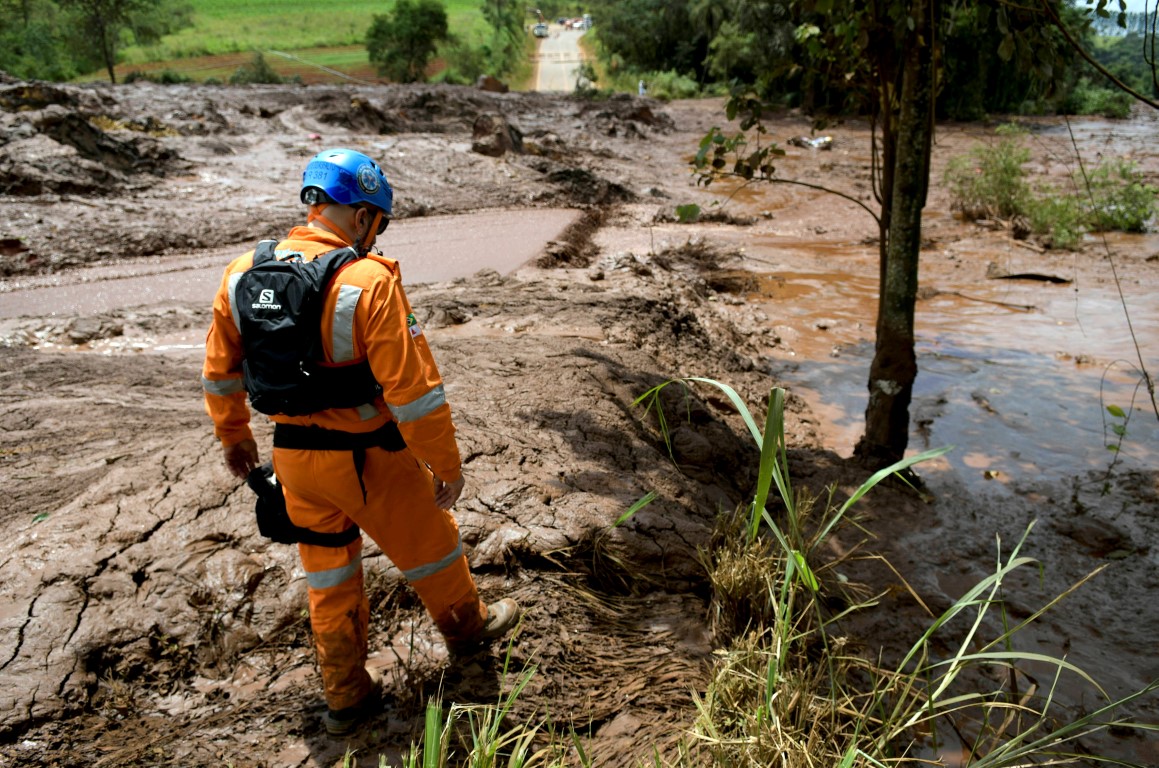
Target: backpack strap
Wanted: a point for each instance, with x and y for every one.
(264, 251)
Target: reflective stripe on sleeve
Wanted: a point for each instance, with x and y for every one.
(223, 387)
(342, 336)
(233, 299)
(422, 571)
(334, 576)
(416, 409)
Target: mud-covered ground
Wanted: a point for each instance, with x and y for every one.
(145, 622)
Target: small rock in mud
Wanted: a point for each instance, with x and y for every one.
(491, 84)
(494, 136)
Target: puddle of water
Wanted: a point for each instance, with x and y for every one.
(1020, 393)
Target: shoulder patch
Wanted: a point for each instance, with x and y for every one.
(412, 325)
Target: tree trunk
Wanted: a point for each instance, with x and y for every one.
(894, 367)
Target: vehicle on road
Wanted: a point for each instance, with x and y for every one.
(539, 30)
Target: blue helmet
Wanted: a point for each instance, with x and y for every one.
(346, 177)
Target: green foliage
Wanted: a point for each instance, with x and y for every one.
(990, 180)
(670, 85)
(1121, 200)
(1126, 58)
(585, 81)
(652, 35)
(1086, 98)
(99, 27)
(465, 62)
(36, 50)
(1057, 218)
(47, 40)
(688, 213)
(164, 77)
(257, 70)
(402, 43)
(508, 45)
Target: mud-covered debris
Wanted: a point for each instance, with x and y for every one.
(357, 114)
(82, 330)
(21, 97)
(584, 187)
(819, 142)
(68, 154)
(625, 116)
(575, 247)
(440, 314)
(493, 136)
(545, 143)
(491, 84)
(669, 215)
(737, 281)
(11, 246)
(995, 272)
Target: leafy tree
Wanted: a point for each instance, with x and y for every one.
(881, 59)
(99, 24)
(504, 51)
(31, 46)
(653, 35)
(402, 43)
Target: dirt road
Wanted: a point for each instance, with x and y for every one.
(144, 621)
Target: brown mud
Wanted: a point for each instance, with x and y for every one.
(145, 622)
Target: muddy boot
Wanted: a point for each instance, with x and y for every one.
(502, 615)
(340, 722)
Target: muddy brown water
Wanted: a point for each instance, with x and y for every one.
(429, 249)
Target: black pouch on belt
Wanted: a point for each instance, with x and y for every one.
(274, 521)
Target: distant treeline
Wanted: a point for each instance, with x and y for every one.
(686, 45)
(62, 39)
(684, 48)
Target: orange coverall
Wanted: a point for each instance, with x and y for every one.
(366, 316)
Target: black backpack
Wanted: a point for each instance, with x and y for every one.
(279, 309)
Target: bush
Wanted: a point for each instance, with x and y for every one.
(1058, 218)
(465, 63)
(257, 71)
(1090, 99)
(164, 77)
(670, 85)
(1121, 201)
(989, 181)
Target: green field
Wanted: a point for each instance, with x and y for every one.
(326, 35)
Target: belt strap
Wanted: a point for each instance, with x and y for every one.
(297, 437)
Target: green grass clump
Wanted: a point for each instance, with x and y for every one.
(1121, 201)
(990, 182)
(789, 689)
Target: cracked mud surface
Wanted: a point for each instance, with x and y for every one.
(144, 621)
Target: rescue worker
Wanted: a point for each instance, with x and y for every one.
(342, 467)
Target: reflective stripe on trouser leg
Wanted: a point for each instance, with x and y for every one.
(421, 540)
(339, 615)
